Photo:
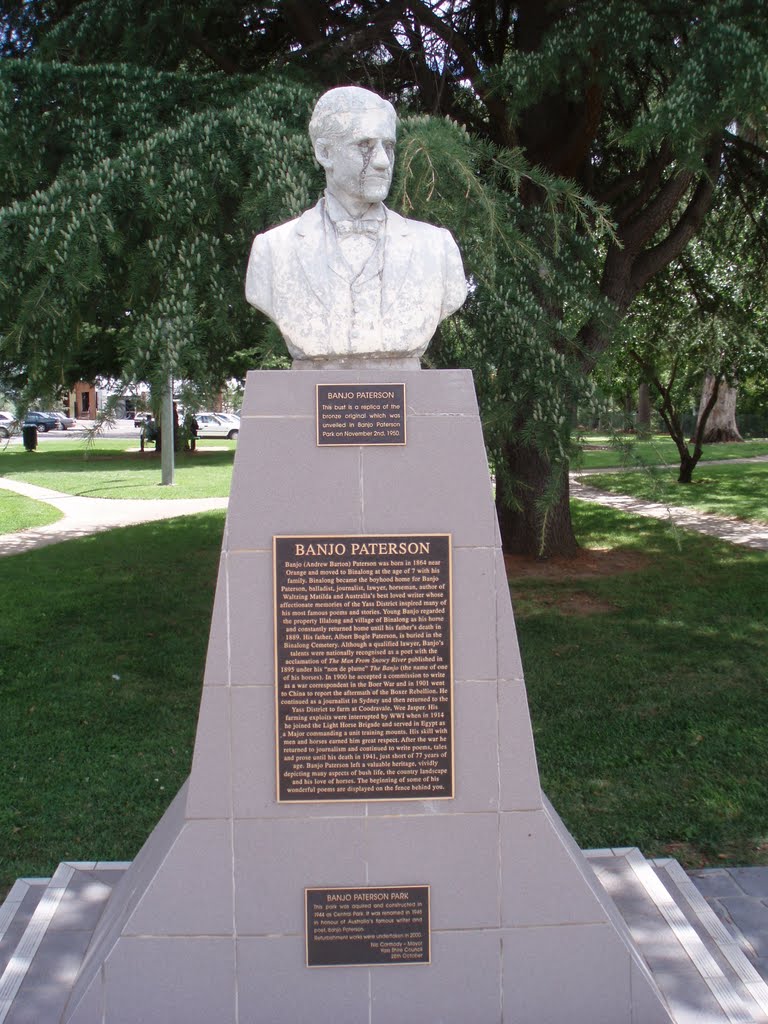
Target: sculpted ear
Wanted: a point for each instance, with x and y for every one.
(323, 153)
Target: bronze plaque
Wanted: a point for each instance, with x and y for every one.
(360, 414)
(372, 925)
(363, 667)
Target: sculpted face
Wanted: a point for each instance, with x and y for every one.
(358, 164)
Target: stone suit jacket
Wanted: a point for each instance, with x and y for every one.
(300, 280)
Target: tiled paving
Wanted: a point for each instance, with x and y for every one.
(739, 897)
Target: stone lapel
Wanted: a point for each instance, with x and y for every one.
(311, 251)
(398, 249)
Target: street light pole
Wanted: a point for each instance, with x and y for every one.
(167, 434)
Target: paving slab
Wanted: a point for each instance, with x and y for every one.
(751, 881)
(749, 916)
(715, 882)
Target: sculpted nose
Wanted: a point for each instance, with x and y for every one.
(380, 157)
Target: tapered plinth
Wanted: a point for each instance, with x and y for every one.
(208, 924)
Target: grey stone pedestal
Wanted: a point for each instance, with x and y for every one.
(207, 925)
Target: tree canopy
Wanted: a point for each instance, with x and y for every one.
(703, 320)
(142, 144)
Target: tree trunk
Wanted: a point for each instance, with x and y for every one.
(643, 410)
(526, 528)
(688, 463)
(721, 425)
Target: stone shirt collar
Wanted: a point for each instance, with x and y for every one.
(334, 211)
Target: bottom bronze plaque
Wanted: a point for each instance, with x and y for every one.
(372, 925)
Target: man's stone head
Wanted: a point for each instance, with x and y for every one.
(353, 134)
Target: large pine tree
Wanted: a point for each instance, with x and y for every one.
(650, 110)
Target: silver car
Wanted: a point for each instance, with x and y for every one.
(65, 422)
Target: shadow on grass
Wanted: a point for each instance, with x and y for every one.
(26, 464)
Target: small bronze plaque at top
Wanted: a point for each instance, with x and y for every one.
(360, 414)
(365, 926)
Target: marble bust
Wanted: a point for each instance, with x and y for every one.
(351, 278)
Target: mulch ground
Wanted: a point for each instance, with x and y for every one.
(588, 564)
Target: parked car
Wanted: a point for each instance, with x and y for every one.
(44, 421)
(212, 425)
(65, 422)
(7, 424)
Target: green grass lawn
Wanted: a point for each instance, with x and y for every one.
(19, 513)
(103, 641)
(740, 491)
(660, 450)
(647, 690)
(115, 468)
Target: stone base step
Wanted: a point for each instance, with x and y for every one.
(45, 928)
(15, 914)
(698, 962)
(698, 967)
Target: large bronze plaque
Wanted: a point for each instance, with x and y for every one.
(363, 667)
(360, 414)
(372, 925)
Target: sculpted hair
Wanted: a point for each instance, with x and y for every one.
(331, 116)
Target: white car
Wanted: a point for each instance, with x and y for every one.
(229, 417)
(211, 424)
(7, 424)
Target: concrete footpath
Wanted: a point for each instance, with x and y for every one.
(84, 516)
(734, 531)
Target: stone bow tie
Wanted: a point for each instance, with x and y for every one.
(359, 226)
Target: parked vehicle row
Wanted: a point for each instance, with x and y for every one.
(209, 424)
(44, 421)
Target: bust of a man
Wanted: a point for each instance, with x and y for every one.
(351, 278)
